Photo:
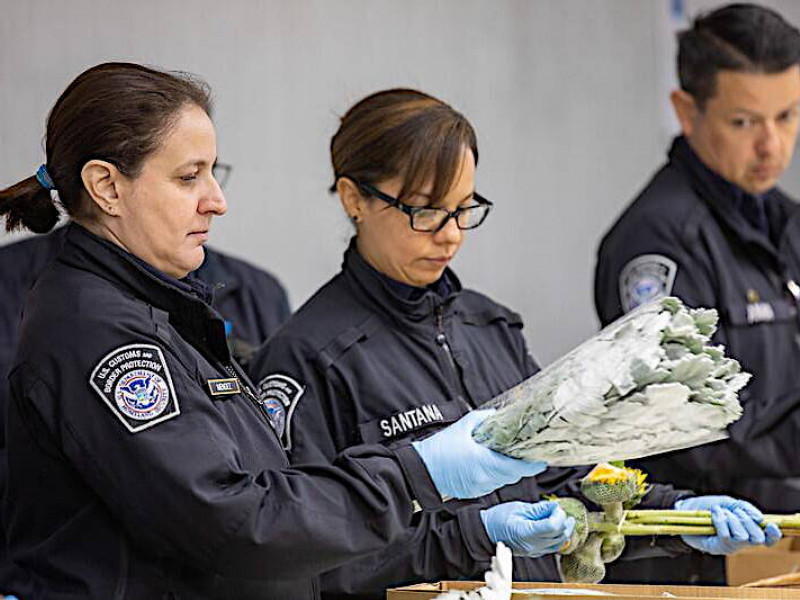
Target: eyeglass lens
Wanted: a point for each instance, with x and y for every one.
(431, 219)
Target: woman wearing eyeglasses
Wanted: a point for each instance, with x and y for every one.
(393, 347)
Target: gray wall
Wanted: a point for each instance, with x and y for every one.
(567, 96)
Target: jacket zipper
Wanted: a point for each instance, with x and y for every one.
(794, 289)
(256, 402)
(441, 339)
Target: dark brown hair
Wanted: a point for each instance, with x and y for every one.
(403, 133)
(117, 112)
(737, 37)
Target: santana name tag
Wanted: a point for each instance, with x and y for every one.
(224, 387)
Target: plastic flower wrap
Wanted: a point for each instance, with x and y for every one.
(649, 383)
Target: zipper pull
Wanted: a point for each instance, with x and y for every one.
(441, 338)
(794, 289)
(245, 388)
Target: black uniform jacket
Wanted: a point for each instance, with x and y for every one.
(252, 302)
(134, 474)
(361, 361)
(691, 216)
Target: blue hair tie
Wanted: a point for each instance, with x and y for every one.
(43, 177)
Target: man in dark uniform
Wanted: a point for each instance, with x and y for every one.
(252, 302)
(712, 229)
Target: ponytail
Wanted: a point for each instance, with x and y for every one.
(29, 205)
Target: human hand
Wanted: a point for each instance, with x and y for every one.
(738, 524)
(531, 530)
(462, 468)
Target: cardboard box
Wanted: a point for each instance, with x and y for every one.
(753, 564)
(427, 591)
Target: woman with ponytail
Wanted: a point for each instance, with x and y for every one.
(141, 464)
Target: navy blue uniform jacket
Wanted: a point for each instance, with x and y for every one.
(366, 361)
(129, 478)
(252, 302)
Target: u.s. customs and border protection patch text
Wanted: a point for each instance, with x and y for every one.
(135, 384)
(279, 396)
(646, 278)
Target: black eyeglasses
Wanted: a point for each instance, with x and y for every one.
(221, 172)
(429, 219)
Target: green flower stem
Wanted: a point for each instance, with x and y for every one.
(669, 520)
(674, 522)
(652, 513)
(637, 529)
(700, 517)
(614, 512)
(784, 521)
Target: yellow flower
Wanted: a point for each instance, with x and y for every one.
(609, 474)
(641, 480)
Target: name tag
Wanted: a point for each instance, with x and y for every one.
(760, 312)
(224, 387)
(411, 421)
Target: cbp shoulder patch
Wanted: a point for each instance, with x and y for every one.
(135, 384)
(279, 397)
(645, 278)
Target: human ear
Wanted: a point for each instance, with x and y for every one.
(101, 180)
(351, 199)
(686, 110)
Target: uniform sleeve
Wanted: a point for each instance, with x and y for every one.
(436, 544)
(645, 258)
(314, 420)
(431, 550)
(180, 489)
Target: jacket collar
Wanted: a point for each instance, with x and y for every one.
(728, 202)
(184, 301)
(401, 301)
(222, 281)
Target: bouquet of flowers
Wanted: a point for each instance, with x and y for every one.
(649, 383)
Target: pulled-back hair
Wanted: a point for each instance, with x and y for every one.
(402, 133)
(116, 112)
(738, 37)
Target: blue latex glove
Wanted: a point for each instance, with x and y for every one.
(738, 524)
(461, 468)
(528, 529)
